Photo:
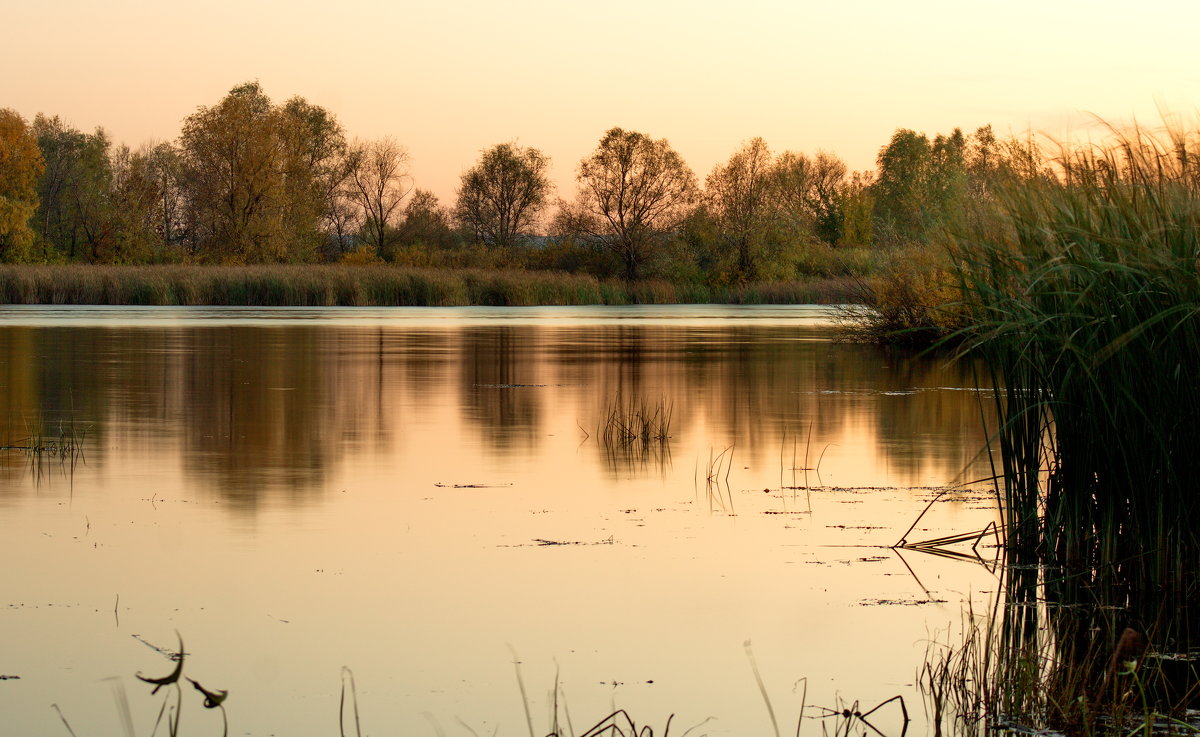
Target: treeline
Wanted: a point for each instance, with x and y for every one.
(249, 181)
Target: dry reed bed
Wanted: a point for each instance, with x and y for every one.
(373, 285)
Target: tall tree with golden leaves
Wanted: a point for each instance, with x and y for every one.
(21, 165)
(258, 177)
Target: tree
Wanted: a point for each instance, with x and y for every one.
(232, 156)
(737, 195)
(21, 165)
(501, 197)
(807, 193)
(259, 177)
(378, 182)
(856, 204)
(633, 191)
(901, 187)
(164, 165)
(75, 213)
(921, 185)
(314, 149)
(425, 222)
(139, 234)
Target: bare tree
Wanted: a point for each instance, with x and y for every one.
(343, 214)
(633, 190)
(501, 197)
(378, 183)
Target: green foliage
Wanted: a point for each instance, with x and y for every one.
(922, 187)
(76, 215)
(1082, 294)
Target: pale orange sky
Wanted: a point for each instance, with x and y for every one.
(450, 78)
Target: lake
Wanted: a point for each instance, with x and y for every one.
(417, 494)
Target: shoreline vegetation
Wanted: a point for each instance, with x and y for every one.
(339, 285)
(254, 182)
(1078, 287)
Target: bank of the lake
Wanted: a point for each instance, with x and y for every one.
(378, 286)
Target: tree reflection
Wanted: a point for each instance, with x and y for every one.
(255, 411)
(498, 385)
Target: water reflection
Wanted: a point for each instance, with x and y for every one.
(313, 488)
(498, 367)
(253, 410)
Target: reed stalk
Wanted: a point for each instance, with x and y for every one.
(1080, 291)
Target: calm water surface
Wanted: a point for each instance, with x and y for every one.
(298, 490)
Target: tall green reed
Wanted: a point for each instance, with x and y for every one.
(1080, 290)
(1083, 296)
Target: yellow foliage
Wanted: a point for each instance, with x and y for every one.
(361, 256)
(21, 165)
(915, 298)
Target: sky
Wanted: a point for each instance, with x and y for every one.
(449, 79)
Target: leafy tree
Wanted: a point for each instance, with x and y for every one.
(737, 197)
(947, 177)
(425, 222)
(901, 187)
(258, 177)
(139, 235)
(21, 165)
(856, 204)
(633, 192)
(314, 153)
(921, 184)
(825, 200)
(232, 157)
(75, 215)
(501, 197)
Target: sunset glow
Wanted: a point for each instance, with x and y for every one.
(450, 79)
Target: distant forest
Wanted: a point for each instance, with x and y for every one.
(249, 181)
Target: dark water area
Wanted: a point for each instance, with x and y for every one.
(409, 492)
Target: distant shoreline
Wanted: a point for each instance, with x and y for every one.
(379, 286)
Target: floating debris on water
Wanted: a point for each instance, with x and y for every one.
(900, 602)
(471, 486)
